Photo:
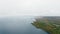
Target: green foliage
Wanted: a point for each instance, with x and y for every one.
(47, 25)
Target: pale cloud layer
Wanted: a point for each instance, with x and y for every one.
(30, 7)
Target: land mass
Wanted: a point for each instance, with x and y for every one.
(50, 24)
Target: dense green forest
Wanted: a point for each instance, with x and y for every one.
(48, 23)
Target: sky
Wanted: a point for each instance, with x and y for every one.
(30, 7)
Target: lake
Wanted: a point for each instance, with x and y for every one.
(18, 25)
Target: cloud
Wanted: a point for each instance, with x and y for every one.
(29, 7)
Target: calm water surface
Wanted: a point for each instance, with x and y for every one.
(18, 25)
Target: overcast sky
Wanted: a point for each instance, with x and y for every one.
(30, 7)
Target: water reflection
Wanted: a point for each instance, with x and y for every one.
(18, 25)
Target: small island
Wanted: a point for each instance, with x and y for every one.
(50, 24)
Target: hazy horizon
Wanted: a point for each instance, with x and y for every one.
(30, 7)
